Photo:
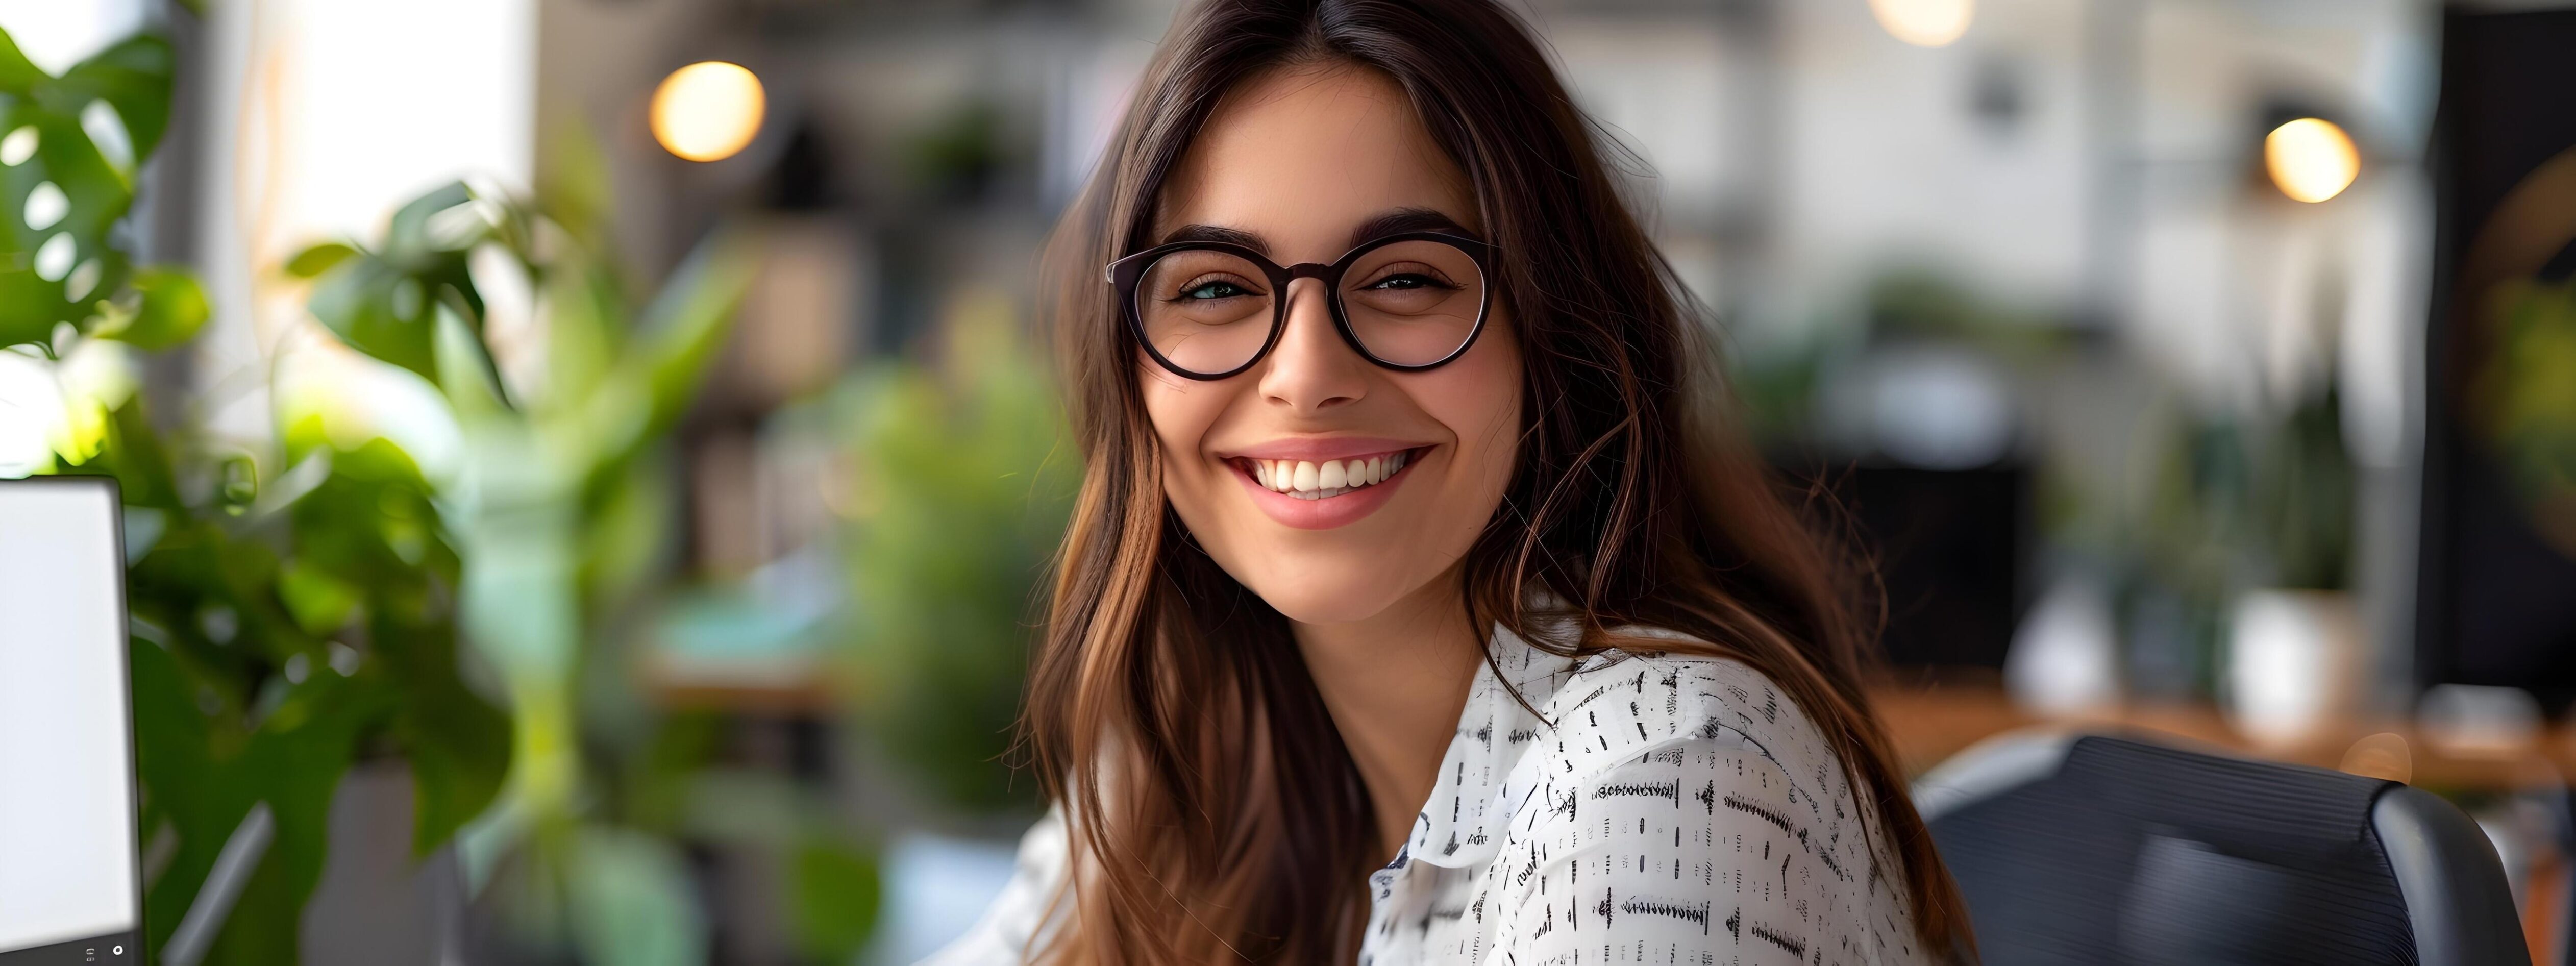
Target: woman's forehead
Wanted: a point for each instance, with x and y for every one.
(1303, 157)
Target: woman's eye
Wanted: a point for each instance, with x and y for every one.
(1406, 281)
(1212, 289)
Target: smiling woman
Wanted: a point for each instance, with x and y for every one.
(1419, 606)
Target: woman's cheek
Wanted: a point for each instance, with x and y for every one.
(1480, 401)
(1182, 414)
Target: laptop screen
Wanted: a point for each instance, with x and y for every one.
(68, 890)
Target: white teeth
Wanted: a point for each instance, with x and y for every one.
(1330, 478)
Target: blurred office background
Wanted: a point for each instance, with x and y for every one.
(2207, 366)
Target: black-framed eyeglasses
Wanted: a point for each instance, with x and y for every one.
(1208, 310)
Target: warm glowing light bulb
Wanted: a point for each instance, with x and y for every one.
(2311, 159)
(708, 111)
(1924, 23)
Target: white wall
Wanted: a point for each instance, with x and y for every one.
(1887, 164)
(326, 116)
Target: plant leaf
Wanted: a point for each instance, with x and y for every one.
(99, 193)
(312, 262)
(574, 186)
(360, 303)
(92, 196)
(682, 331)
(409, 239)
(834, 894)
(631, 903)
(29, 307)
(18, 75)
(134, 453)
(294, 763)
(133, 76)
(170, 310)
(319, 601)
(459, 745)
(468, 375)
(173, 758)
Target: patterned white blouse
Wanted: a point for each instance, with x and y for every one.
(1661, 808)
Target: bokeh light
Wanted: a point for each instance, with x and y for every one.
(1924, 23)
(708, 111)
(2311, 159)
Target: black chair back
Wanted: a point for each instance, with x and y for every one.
(2102, 850)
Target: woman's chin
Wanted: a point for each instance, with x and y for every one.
(1340, 600)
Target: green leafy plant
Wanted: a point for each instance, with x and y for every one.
(290, 624)
(960, 491)
(279, 640)
(70, 150)
(284, 628)
(558, 508)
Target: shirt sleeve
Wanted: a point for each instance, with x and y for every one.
(1026, 912)
(1691, 851)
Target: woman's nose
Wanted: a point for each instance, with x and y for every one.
(1312, 369)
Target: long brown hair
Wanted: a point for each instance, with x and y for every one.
(1215, 812)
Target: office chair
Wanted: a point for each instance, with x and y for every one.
(2074, 848)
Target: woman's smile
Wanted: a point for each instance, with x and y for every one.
(1319, 484)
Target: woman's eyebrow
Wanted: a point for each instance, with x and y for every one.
(1404, 220)
(1216, 233)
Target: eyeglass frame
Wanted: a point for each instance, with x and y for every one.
(1127, 272)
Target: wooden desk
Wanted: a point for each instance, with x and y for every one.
(1931, 723)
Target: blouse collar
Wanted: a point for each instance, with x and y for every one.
(1461, 824)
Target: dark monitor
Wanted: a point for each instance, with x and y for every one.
(70, 882)
(2496, 598)
(1950, 548)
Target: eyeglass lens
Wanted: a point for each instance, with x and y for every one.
(1409, 303)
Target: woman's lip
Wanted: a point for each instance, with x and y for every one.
(1326, 513)
(1319, 449)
